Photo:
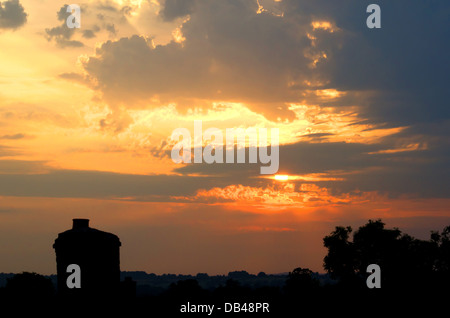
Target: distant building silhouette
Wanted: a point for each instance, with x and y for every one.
(97, 254)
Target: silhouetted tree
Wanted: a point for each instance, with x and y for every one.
(300, 281)
(441, 243)
(340, 262)
(262, 274)
(29, 285)
(385, 247)
(405, 262)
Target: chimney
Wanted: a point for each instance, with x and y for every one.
(80, 223)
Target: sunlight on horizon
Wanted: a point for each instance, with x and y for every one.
(281, 177)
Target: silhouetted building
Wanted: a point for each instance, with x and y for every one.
(128, 288)
(97, 254)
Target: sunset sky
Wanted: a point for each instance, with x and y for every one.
(86, 117)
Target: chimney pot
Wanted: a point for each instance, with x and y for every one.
(80, 223)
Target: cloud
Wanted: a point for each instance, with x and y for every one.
(111, 28)
(288, 53)
(230, 53)
(75, 77)
(13, 137)
(299, 158)
(12, 15)
(420, 171)
(95, 184)
(314, 54)
(22, 167)
(96, 18)
(7, 151)
(406, 163)
(62, 34)
(177, 8)
(88, 34)
(403, 64)
(279, 194)
(22, 111)
(346, 171)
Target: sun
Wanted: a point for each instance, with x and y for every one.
(281, 177)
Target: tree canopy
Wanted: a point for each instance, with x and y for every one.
(404, 260)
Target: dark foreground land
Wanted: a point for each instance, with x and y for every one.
(300, 296)
(414, 276)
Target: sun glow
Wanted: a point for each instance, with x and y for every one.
(281, 177)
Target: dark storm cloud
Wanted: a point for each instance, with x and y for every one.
(405, 61)
(404, 66)
(177, 8)
(12, 14)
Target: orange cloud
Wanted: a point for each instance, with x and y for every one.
(280, 194)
